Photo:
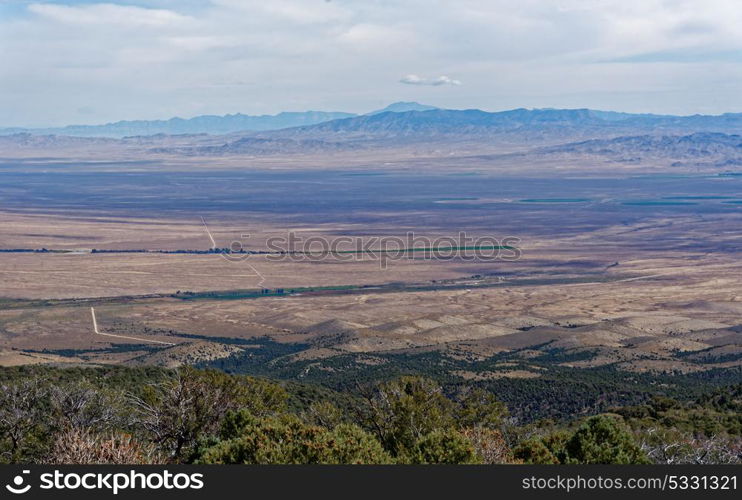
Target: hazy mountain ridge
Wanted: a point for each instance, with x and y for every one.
(697, 144)
(538, 134)
(698, 148)
(474, 121)
(211, 124)
(407, 119)
(447, 121)
(207, 124)
(530, 128)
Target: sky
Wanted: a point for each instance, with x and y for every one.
(87, 62)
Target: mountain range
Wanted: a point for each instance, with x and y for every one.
(407, 128)
(406, 119)
(207, 124)
(475, 129)
(474, 121)
(698, 149)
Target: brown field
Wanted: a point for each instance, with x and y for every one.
(637, 273)
(638, 315)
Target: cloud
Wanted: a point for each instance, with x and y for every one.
(682, 56)
(435, 82)
(108, 14)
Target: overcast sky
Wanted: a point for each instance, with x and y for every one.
(71, 61)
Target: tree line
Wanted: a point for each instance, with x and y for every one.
(150, 416)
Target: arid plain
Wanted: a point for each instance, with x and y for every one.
(641, 274)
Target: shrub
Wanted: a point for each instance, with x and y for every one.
(288, 440)
(489, 445)
(604, 439)
(534, 451)
(79, 447)
(182, 410)
(402, 411)
(442, 447)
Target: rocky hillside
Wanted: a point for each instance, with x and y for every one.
(702, 146)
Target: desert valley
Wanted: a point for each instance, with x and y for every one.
(627, 231)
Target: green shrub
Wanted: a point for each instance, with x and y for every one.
(535, 451)
(442, 447)
(604, 439)
(288, 440)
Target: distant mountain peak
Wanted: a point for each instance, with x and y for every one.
(403, 107)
